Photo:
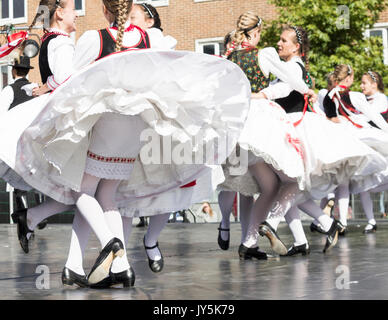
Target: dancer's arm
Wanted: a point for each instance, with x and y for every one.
(380, 103)
(159, 41)
(289, 72)
(359, 101)
(87, 49)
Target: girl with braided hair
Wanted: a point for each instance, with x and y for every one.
(83, 147)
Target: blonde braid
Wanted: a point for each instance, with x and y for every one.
(245, 23)
(121, 19)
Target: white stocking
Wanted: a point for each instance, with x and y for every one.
(106, 197)
(91, 210)
(342, 196)
(79, 239)
(269, 184)
(155, 227)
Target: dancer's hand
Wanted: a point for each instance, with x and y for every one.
(313, 97)
(335, 120)
(41, 90)
(259, 95)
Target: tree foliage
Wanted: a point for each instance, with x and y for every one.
(337, 34)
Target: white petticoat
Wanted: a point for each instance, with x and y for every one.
(268, 136)
(333, 155)
(191, 98)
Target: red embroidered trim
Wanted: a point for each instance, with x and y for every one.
(110, 159)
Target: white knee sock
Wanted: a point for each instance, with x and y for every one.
(225, 201)
(269, 184)
(155, 227)
(47, 209)
(293, 219)
(115, 224)
(313, 210)
(79, 239)
(342, 196)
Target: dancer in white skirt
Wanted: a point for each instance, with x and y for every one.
(71, 113)
(352, 111)
(372, 87)
(321, 171)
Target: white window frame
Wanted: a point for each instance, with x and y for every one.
(82, 12)
(383, 27)
(9, 73)
(202, 0)
(155, 3)
(17, 20)
(200, 43)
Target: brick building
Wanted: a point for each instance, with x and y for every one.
(198, 25)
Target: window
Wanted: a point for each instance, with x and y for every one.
(80, 7)
(380, 30)
(13, 11)
(214, 46)
(155, 3)
(6, 76)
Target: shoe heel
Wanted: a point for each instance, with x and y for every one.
(67, 282)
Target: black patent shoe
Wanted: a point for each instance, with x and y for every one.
(332, 235)
(42, 224)
(276, 244)
(155, 265)
(374, 228)
(224, 244)
(125, 278)
(303, 249)
(316, 228)
(101, 267)
(246, 253)
(69, 278)
(20, 218)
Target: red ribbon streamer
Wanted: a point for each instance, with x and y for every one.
(14, 40)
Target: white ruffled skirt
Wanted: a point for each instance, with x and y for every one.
(190, 109)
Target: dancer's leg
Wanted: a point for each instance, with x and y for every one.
(91, 210)
(269, 184)
(105, 196)
(293, 219)
(342, 196)
(155, 227)
(225, 201)
(367, 205)
(246, 205)
(313, 210)
(79, 239)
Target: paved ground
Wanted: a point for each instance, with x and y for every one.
(195, 269)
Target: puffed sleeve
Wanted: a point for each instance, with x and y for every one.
(87, 49)
(60, 59)
(359, 101)
(288, 72)
(159, 41)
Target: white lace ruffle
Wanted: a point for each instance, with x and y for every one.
(106, 170)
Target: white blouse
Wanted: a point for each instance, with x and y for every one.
(378, 101)
(60, 53)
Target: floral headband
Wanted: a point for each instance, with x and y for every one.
(372, 76)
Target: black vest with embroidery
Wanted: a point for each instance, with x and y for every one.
(44, 67)
(295, 101)
(108, 43)
(19, 95)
